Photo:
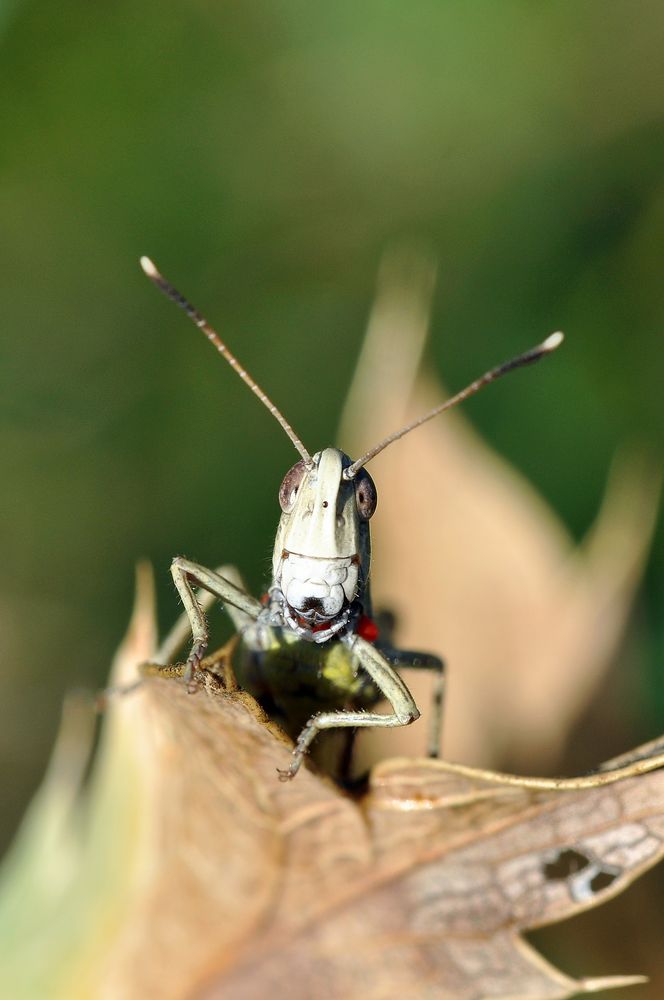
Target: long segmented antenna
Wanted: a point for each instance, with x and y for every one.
(165, 286)
(528, 358)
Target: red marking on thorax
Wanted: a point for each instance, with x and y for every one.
(367, 629)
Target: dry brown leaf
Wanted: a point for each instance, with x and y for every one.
(477, 566)
(254, 888)
(197, 873)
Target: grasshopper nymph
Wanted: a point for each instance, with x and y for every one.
(312, 641)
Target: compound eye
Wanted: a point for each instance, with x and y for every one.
(365, 495)
(291, 484)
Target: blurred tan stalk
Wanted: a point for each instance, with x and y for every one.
(78, 860)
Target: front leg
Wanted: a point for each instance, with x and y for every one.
(387, 681)
(240, 605)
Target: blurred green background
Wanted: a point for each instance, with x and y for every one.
(266, 154)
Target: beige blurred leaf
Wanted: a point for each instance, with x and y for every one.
(67, 881)
(194, 872)
(477, 566)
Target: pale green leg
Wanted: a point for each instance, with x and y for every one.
(180, 632)
(241, 607)
(388, 682)
(182, 629)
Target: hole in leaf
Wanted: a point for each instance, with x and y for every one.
(567, 862)
(602, 880)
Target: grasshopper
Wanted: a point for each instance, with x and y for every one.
(312, 641)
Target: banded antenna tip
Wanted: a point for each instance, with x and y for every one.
(552, 342)
(149, 267)
(527, 358)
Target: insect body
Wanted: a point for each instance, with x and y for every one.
(312, 640)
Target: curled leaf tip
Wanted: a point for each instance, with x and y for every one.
(595, 985)
(140, 640)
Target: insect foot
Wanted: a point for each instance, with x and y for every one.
(290, 772)
(191, 668)
(300, 749)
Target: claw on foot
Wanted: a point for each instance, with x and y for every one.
(289, 773)
(191, 668)
(189, 677)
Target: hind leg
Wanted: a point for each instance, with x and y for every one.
(404, 659)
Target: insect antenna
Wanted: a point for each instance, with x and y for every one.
(528, 358)
(168, 289)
